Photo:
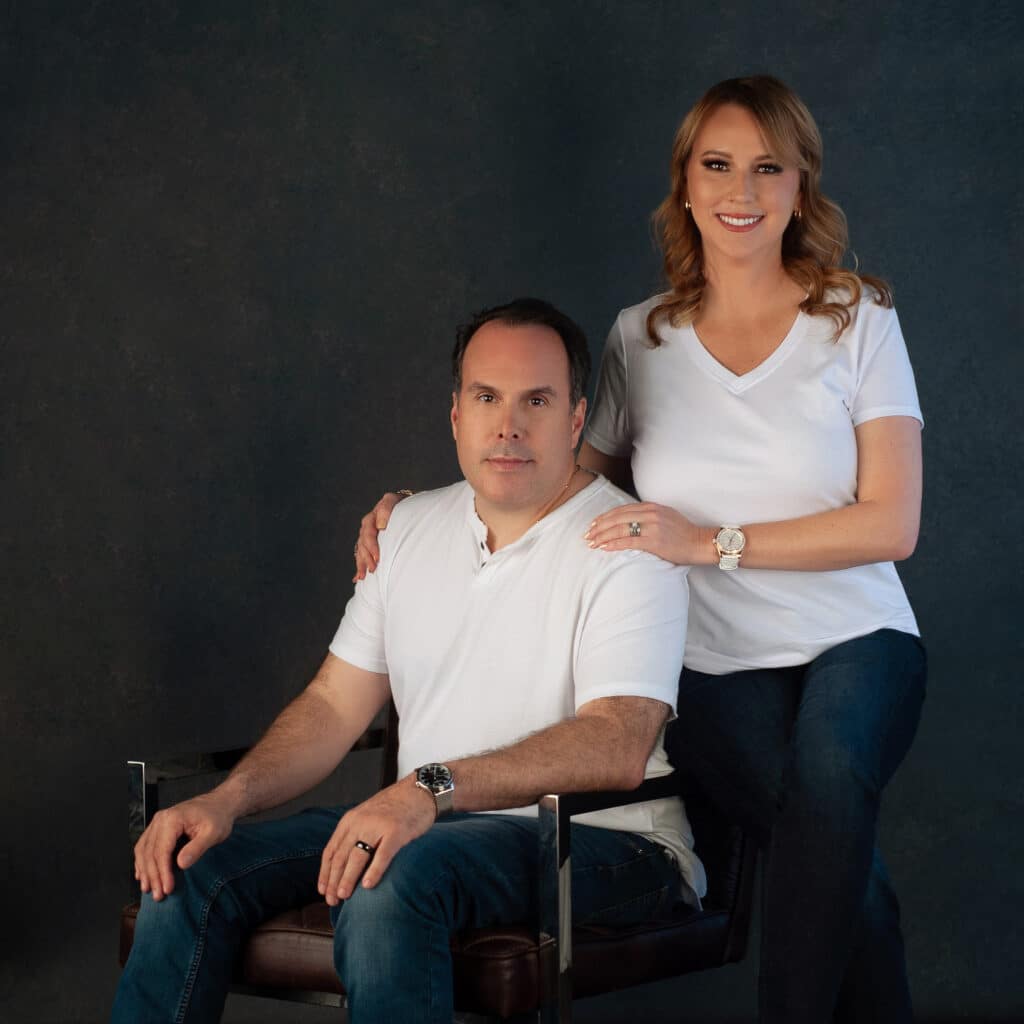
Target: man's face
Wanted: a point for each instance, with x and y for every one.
(515, 430)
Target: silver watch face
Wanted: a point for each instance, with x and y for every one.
(730, 540)
(436, 777)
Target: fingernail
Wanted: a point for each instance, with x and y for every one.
(592, 544)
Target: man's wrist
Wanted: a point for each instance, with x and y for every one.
(232, 797)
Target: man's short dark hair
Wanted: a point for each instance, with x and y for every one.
(522, 313)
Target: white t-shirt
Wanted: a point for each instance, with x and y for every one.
(773, 444)
(485, 648)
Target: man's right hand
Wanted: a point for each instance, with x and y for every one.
(367, 551)
(205, 820)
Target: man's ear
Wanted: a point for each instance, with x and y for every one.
(579, 416)
(455, 415)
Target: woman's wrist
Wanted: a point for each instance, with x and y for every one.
(705, 553)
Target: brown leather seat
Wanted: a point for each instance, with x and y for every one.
(507, 971)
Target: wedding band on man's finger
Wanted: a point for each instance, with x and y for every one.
(634, 529)
(365, 847)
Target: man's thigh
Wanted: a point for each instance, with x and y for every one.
(266, 867)
(482, 870)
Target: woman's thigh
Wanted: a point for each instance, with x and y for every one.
(741, 737)
(860, 703)
(730, 739)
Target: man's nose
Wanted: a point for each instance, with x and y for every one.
(510, 427)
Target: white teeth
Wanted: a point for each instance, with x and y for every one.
(739, 222)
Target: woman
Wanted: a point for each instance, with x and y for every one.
(766, 409)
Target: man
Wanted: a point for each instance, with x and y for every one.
(521, 663)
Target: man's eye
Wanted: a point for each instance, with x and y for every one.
(537, 400)
(484, 397)
(716, 165)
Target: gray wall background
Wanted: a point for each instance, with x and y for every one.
(234, 239)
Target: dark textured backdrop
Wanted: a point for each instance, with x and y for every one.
(234, 238)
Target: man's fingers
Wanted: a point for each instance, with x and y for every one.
(339, 859)
(355, 865)
(195, 848)
(382, 857)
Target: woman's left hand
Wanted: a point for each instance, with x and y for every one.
(662, 531)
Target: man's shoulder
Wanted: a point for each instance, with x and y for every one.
(426, 506)
(603, 496)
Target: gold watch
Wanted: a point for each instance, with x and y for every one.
(729, 543)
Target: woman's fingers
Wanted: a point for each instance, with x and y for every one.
(367, 550)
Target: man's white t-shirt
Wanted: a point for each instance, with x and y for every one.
(484, 648)
(772, 444)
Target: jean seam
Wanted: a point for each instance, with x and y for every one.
(212, 894)
(652, 896)
(638, 857)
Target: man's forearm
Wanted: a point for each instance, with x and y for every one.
(586, 753)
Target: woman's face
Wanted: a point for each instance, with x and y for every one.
(741, 195)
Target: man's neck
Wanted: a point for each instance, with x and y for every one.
(506, 526)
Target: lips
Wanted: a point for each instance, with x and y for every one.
(740, 222)
(507, 463)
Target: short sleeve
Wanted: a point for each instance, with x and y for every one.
(360, 636)
(632, 631)
(885, 379)
(608, 425)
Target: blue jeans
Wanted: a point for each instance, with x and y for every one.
(800, 757)
(391, 946)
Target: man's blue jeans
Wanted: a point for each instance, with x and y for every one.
(800, 756)
(391, 942)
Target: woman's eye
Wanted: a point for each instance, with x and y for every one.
(769, 169)
(716, 165)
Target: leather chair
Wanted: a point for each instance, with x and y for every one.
(519, 971)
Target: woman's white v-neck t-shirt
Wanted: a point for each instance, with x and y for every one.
(772, 444)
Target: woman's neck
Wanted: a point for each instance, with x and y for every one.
(742, 291)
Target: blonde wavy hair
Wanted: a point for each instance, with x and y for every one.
(813, 245)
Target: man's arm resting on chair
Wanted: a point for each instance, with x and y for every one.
(303, 746)
(605, 746)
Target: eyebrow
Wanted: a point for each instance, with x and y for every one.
(543, 389)
(722, 152)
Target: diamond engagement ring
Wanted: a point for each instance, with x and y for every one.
(634, 529)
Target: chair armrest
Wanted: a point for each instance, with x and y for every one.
(555, 883)
(145, 778)
(657, 788)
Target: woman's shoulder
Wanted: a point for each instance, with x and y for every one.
(872, 311)
(632, 321)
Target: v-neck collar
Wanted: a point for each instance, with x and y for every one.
(738, 383)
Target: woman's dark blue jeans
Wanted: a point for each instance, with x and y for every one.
(800, 756)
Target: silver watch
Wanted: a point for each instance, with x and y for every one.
(437, 780)
(729, 543)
